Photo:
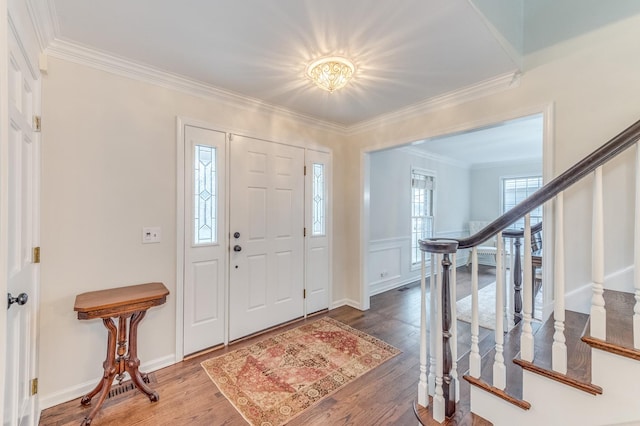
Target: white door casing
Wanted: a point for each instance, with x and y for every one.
(22, 227)
(204, 243)
(318, 226)
(266, 259)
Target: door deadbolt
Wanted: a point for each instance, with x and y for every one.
(236, 235)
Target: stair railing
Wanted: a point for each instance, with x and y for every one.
(441, 382)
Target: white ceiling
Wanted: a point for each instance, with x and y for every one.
(512, 141)
(406, 51)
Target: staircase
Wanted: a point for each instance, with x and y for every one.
(571, 369)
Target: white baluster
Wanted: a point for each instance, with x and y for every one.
(423, 397)
(454, 328)
(438, 399)
(509, 317)
(636, 256)
(475, 362)
(431, 381)
(598, 319)
(526, 338)
(499, 369)
(559, 347)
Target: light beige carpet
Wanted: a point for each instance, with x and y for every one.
(276, 379)
(486, 307)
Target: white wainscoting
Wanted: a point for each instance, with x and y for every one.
(390, 262)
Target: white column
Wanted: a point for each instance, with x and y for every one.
(499, 369)
(559, 347)
(526, 338)
(438, 398)
(509, 316)
(431, 381)
(475, 362)
(423, 396)
(598, 320)
(636, 257)
(454, 327)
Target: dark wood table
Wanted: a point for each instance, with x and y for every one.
(129, 305)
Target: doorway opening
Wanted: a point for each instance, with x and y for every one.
(470, 167)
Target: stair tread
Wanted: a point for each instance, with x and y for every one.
(619, 330)
(578, 352)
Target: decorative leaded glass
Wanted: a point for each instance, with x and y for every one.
(318, 201)
(205, 196)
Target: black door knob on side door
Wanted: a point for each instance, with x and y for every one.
(237, 248)
(20, 300)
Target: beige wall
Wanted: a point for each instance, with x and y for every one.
(109, 168)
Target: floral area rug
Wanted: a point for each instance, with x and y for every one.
(274, 380)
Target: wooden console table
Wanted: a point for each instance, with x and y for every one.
(125, 303)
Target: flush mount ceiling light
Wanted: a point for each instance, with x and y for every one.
(331, 73)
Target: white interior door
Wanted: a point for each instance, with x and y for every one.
(318, 219)
(23, 235)
(266, 224)
(205, 243)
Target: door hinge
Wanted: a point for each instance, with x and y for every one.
(304, 293)
(305, 170)
(36, 255)
(230, 137)
(34, 386)
(304, 232)
(37, 123)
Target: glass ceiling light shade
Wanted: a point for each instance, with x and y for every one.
(331, 73)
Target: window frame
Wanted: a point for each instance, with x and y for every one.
(415, 249)
(539, 209)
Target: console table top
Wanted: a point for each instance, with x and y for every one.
(120, 300)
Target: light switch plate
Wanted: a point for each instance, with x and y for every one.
(151, 234)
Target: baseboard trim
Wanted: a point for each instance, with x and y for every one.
(76, 391)
(346, 302)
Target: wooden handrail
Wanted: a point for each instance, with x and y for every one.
(606, 152)
(519, 233)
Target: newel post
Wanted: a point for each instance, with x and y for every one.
(444, 401)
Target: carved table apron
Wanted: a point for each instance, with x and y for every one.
(125, 303)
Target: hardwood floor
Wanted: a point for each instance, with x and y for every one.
(384, 396)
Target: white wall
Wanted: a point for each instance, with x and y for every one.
(390, 211)
(109, 168)
(486, 187)
(592, 81)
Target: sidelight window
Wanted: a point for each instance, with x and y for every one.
(318, 210)
(205, 205)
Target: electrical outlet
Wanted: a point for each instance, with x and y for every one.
(150, 234)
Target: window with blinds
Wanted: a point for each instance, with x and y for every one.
(515, 190)
(422, 196)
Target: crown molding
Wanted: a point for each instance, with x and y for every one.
(84, 55)
(484, 88)
(45, 21)
(417, 152)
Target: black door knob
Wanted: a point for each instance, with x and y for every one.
(237, 248)
(20, 300)
(236, 235)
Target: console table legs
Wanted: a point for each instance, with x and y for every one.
(116, 367)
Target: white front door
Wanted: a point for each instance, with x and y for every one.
(266, 227)
(205, 243)
(318, 219)
(22, 236)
